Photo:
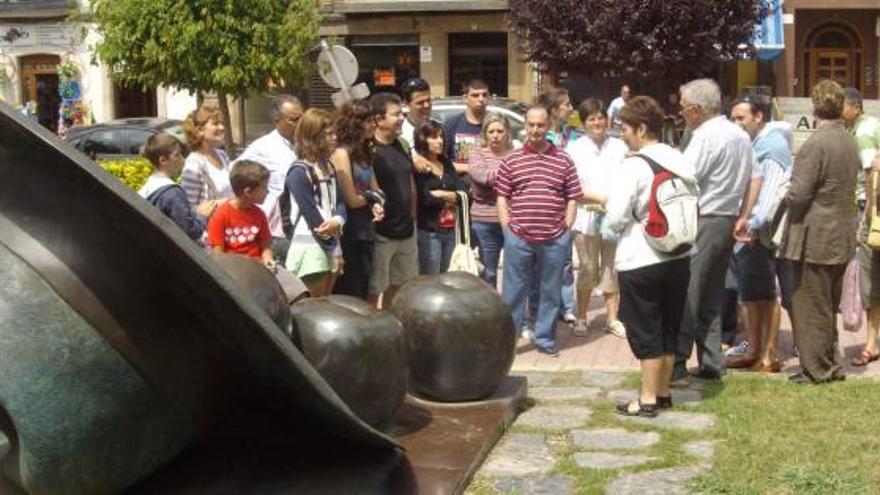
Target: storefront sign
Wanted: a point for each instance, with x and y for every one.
(384, 77)
(799, 113)
(426, 54)
(22, 35)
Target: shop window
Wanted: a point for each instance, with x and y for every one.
(385, 62)
(478, 55)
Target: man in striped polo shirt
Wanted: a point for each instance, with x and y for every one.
(538, 189)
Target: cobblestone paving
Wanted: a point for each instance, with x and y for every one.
(570, 441)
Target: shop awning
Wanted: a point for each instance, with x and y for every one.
(770, 35)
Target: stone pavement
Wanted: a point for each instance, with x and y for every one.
(602, 351)
(570, 441)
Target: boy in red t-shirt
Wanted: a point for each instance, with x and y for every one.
(240, 226)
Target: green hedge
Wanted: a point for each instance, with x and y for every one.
(132, 172)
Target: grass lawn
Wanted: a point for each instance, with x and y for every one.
(784, 439)
(771, 438)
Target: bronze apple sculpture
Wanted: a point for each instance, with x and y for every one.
(122, 344)
(360, 351)
(460, 334)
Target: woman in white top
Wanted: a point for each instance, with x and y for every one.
(653, 284)
(598, 157)
(205, 175)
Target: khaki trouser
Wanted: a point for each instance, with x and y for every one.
(815, 299)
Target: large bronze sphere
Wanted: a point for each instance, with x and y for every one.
(460, 335)
(359, 350)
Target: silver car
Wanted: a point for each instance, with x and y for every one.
(515, 111)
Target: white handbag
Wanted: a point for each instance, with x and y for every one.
(463, 257)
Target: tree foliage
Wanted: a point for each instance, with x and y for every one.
(230, 47)
(633, 38)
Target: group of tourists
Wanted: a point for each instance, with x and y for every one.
(359, 201)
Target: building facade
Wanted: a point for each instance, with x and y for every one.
(837, 39)
(41, 51)
(444, 42)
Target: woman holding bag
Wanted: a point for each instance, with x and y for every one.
(437, 198)
(497, 143)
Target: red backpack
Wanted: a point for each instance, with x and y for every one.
(672, 211)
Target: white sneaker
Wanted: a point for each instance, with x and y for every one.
(617, 329)
(569, 318)
(580, 328)
(738, 350)
(527, 333)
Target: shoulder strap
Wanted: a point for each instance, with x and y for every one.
(463, 221)
(655, 167)
(284, 204)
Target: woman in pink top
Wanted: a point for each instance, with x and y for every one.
(496, 144)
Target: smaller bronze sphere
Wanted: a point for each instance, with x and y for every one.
(359, 350)
(460, 335)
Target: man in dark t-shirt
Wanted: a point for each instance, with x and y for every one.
(463, 130)
(395, 252)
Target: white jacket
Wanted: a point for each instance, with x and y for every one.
(627, 207)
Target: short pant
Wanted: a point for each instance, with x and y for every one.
(652, 300)
(596, 263)
(869, 274)
(395, 261)
(756, 274)
(307, 259)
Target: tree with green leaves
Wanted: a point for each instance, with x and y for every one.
(229, 47)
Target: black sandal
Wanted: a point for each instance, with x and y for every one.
(664, 402)
(637, 408)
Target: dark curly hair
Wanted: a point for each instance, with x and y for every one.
(350, 120)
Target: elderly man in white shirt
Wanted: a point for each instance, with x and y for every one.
(275, 151)
(721, 155)
(597, 157)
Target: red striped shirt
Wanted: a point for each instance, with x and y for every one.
(538, 186)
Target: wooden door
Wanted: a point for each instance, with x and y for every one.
(39, 79)
(833, 64)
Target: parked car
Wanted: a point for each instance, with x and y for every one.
(122, 138)
(515, 111)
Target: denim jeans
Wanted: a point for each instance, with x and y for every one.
(491, 241)
(520, 259)
(566, 297)
(435, 250)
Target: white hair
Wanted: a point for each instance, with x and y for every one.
(704, 93)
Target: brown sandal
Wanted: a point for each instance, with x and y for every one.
(864, 358)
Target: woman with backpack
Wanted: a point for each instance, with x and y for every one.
(653, 264)
(317, 210)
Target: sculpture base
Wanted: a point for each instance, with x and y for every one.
(445, 445)
(447, 452)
